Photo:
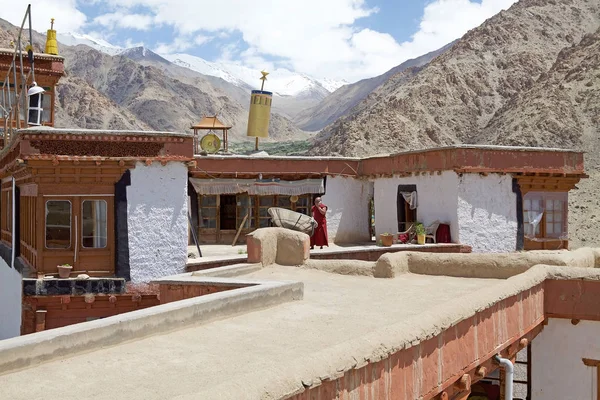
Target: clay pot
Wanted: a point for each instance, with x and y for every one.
(64, 271)
(386, 240)
(421, 239)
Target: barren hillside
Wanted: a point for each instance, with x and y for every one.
(343, 100)
(452, 99)
(562, 109)
(116, 92)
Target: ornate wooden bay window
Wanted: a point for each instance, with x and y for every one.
(545, 210)
(545, 217)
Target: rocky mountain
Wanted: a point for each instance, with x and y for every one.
(453, 98)
(160, 100)
(341, 102)
(562, 109)
(117, 92)
(293, 91)
(78, 104)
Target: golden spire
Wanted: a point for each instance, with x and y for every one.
(51, 43)
(263, 79)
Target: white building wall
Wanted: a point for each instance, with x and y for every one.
(558, 371)
(487, 213)
(10, 301)
(347, 200)
(157, 220)
(437, 200)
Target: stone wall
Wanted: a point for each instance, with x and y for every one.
(487, 213)
(157, 220)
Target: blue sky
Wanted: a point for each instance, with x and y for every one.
(336, 39)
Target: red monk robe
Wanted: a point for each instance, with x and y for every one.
(319, 238)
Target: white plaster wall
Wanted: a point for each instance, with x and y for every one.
(10, 301)
(347, 200)
(487, 213)
(558, 371)
(157, 220)
(437, 200)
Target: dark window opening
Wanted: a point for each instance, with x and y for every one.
(406, 216)
(228, 212)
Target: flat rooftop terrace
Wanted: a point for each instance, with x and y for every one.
(409, 335)
(259, 354)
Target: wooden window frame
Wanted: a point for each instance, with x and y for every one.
(595, 364)
(544, 197)
(215, 207)
(71, 233)
(82, 237)
(6, 214)
(256, 207)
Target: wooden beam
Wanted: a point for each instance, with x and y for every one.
(595, 364)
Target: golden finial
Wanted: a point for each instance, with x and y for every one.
(263, 79)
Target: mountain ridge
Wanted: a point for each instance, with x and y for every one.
(345, 98)
(451, 99)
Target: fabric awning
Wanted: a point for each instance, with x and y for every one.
(254, 187)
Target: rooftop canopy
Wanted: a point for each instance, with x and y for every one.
(210, 123)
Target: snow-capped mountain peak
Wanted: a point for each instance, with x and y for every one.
(73, 39)
(280, 81)
(331, 84)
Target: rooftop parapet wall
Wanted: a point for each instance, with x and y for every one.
(493, 266)
(461, 159)
(48, 68)
(478, 159)
(24, 351)
(59, 145)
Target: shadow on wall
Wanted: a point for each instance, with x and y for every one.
(348, 218)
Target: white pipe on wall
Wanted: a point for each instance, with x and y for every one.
(508, 376)
(13, 236)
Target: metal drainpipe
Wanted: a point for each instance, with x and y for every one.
(508, 378)
(14, 224)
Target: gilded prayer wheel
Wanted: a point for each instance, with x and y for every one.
(260, 113)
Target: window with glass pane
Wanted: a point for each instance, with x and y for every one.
(207, 213)
(303, 204)
(552, 208)
(9, 211)
(93, 224)
(265, 202)
(284, 202)
(554, 217)
(532, 207)
(47, 106)
(58, 224)
(245, 206)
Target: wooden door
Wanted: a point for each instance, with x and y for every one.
(95, 235)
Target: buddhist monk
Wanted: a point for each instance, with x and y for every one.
(319, 238)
